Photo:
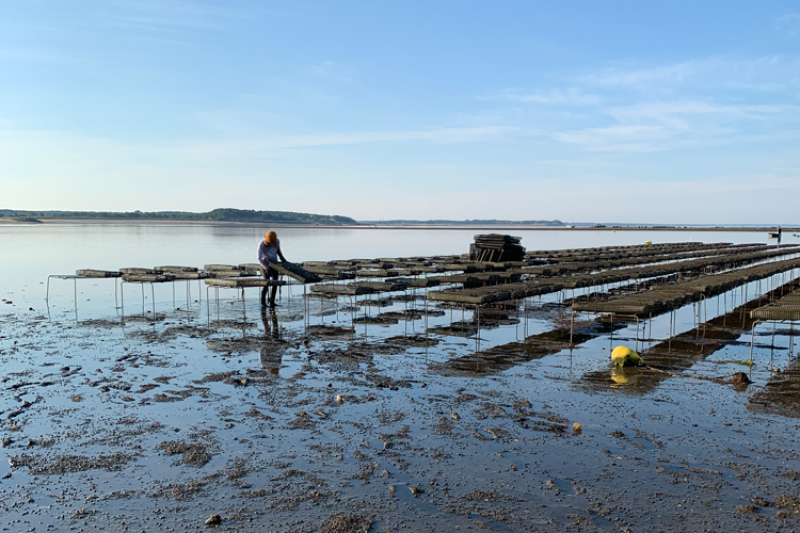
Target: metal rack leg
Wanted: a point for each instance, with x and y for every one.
(478, 321)
(426, 320)
(572, 326)
(753, 338)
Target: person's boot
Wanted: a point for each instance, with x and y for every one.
(272, 297)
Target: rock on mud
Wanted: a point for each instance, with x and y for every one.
(345, 523)
(740, 378)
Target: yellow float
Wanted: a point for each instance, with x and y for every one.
(624, 356)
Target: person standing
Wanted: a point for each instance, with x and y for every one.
(269, 250)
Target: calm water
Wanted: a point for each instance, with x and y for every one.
(31, 252)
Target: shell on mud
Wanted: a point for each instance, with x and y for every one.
(339, 399)
(214, 520)
(577, 428)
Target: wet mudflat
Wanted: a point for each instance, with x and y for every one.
(370, 425)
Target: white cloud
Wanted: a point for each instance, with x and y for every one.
(680, 114)
(630, 138)
(571, 96)
(627, 108)
(235, 148)
(174, 14)
(620, 76)
(789, 23)
(764, 73)
(661, 126)
(46, 56)
(39, 153)
(329, 70)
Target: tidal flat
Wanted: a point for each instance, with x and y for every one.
(349, 415)
(276, 426)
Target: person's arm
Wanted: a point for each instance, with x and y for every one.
(280, 253)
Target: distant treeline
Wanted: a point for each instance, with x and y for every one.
(217, 215)
(475, 222)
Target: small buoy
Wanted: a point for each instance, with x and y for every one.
(577, 428)
(648, 243)
(339, 399)
(624, 356)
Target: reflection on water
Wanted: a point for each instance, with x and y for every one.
(270, 354)
(499, 358)
(621, 379)
(269, 318)
(678, 353)
(112, 246)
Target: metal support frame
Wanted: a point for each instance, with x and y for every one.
(142, 283)
(773, 322)
(75, 279)
(243, 299)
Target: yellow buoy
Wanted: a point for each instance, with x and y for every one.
(624, 356)
(648, 243)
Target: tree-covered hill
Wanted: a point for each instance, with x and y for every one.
(217, 215)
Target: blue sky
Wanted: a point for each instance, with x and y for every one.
(659, 112)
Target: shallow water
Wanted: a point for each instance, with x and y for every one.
(428, 436)
(32, 252)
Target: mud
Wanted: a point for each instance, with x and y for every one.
(335, 427)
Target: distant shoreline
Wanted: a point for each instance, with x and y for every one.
(156, 222)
